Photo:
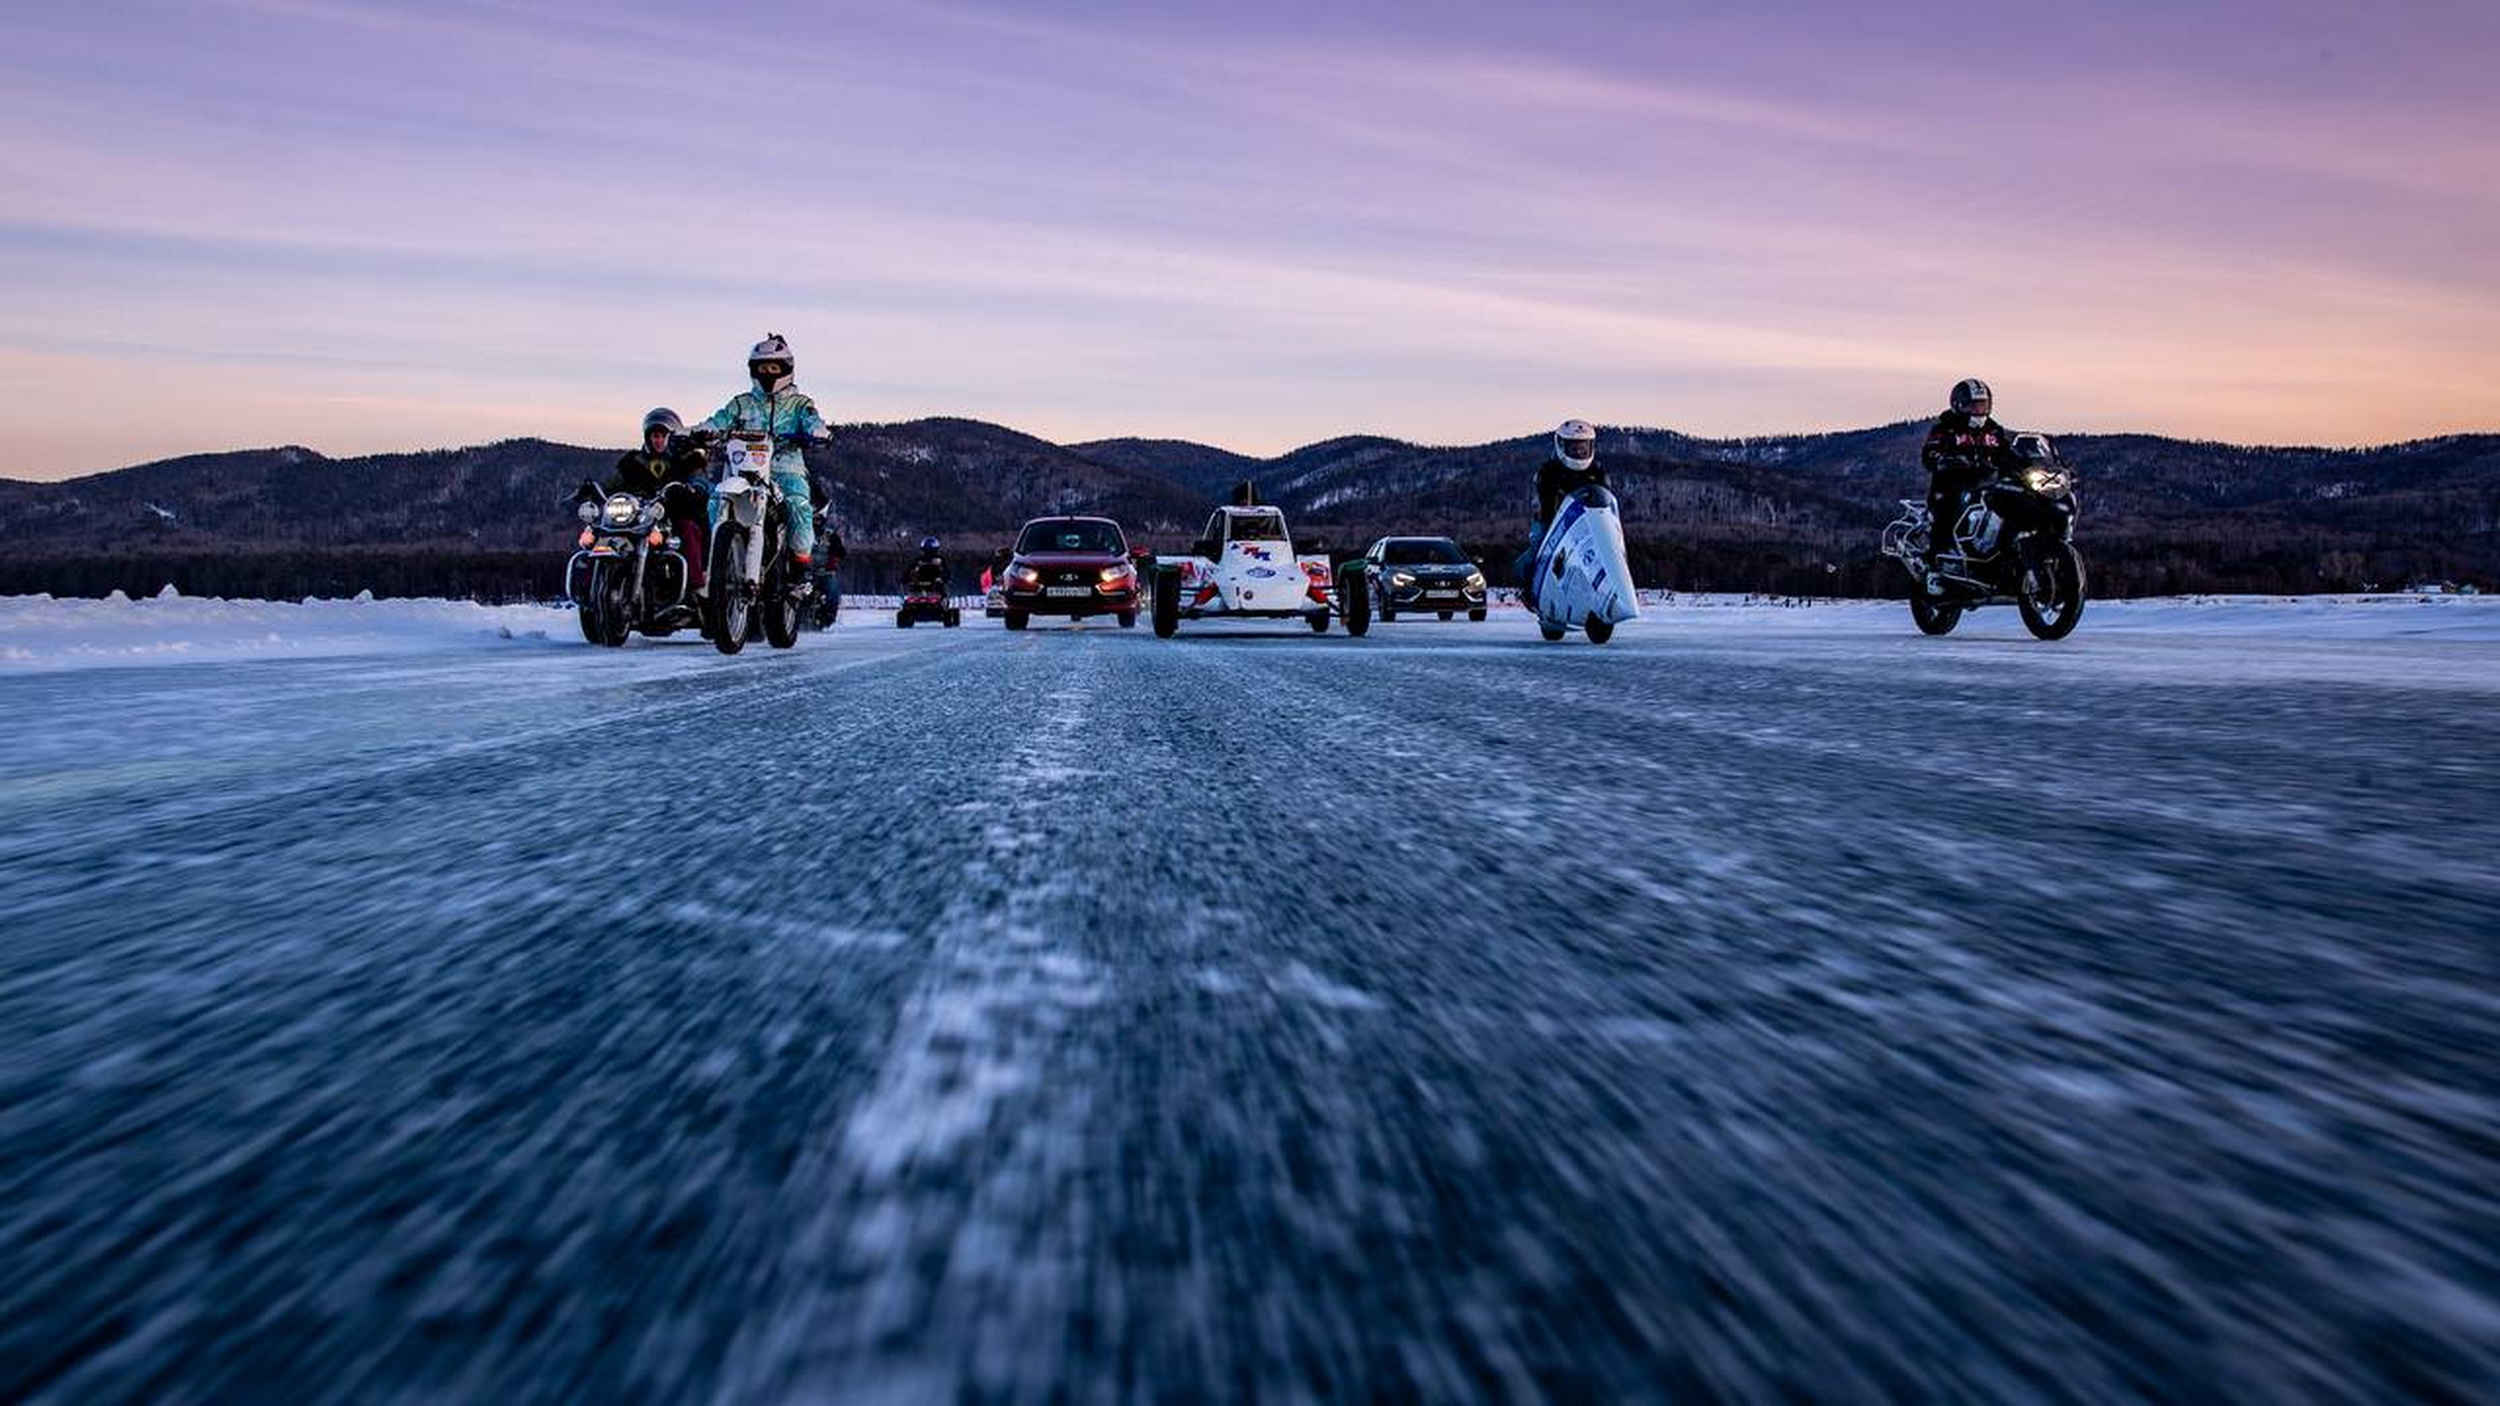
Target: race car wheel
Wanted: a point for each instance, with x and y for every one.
(1446, 614)
(1017, 619)
(1167, 604)
(1128, 619)
(1551, 632)
(953, 618)
(1476, 615)
(1319, 623)
(1600, 631)
(1357, 605)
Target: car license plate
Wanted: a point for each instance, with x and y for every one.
(1442, 595)
(1068, 591)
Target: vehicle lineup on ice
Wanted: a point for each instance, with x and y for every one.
(2007, 502)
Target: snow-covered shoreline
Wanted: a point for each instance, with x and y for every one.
(43, 633)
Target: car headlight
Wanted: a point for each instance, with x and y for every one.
(622, 509)
(1475, 580)
(1024, 576)
(1401, 579)
(1115, 575)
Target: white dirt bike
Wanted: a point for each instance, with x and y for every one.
(755, 586)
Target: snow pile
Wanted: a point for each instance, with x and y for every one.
(41, 633)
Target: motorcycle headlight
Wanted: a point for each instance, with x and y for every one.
(622, 509)
(2049, 481)
(588, 512)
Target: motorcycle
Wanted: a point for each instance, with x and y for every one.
(754, 586)
(2012, 542)
(1581, 577)
(628, 572)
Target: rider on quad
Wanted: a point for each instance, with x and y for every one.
(1572, 465)
(1964, 448)
(928, 571)
(777, 407)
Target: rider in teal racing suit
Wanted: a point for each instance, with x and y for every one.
(784, 411)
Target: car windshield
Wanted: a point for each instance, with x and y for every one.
(1071, 535)
(1423, 551)
(1256, 527)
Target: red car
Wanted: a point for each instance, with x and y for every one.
(1074, 566)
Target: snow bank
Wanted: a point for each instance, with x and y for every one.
(41, 633)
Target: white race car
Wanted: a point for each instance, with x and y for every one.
(1245, 568)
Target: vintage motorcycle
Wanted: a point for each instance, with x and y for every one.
(628, 571)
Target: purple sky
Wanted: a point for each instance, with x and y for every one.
(359, 227)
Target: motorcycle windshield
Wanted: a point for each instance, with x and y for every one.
(1593, 495)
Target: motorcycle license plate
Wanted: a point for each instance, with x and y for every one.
(1067, 591)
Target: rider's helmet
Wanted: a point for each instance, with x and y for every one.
(1973, 400)
(770, 364)
(928, 546)
(661, 419)
(1575, 443)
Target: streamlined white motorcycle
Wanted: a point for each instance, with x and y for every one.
(1582, 576)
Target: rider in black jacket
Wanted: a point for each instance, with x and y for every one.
(670, 465)
(929, 570)
(1964, 448)
(1572, 465)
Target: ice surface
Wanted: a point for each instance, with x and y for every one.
(1771, 1004)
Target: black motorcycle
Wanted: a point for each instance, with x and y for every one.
(628, 571)
(2013, 541)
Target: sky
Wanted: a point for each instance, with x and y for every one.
(362, 227)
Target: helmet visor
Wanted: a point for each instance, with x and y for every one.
(1579, 451)
(768, 370)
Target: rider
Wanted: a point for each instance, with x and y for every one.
(1963, 449)
(778, 408)
(929, 570)
(1573, 465)
(672, 467)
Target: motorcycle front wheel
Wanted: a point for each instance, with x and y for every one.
(1933, 617)
(2051, 599)
(731, 606)
(612, 591)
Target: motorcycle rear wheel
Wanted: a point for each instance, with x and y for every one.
(2052, 614)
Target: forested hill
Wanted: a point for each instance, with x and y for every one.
(1783, 513)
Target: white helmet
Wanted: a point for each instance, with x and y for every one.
(1575, 443)
(770, 352)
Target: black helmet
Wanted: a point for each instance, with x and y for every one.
(928, 544)
(663, 419)
(1973, 398)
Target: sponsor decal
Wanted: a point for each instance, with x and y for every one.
(1257, 553)
(1261, 572)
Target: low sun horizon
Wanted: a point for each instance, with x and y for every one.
(364, 228)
